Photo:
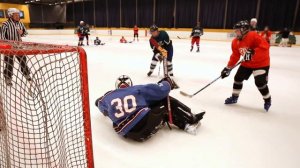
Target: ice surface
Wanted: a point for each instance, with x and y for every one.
(234, 136)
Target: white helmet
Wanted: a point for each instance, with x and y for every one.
(254, 20)
(11, 11)
(81, 22)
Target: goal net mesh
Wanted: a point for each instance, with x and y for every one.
(44, 110)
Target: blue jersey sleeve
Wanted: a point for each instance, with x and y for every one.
(155, 92)
(103, 108)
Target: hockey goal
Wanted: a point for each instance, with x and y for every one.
(44, 106)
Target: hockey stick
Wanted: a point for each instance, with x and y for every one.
(165, 65)
(192, 95)
(181, 37)
(159, 68)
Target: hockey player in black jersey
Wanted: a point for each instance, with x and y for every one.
(197, 32)
(162, 47)
(97, 41)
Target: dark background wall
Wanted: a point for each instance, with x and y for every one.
(277, 14)
(47, 14)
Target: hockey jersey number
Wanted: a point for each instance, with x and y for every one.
(123, 107)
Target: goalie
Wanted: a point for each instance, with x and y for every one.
(139, 111)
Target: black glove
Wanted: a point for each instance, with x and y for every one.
(170, 81)
(248, 55)
(225, 72)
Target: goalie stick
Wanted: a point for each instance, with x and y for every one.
(168, 98)
(192, 95)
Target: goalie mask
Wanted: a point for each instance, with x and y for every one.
(123, 81)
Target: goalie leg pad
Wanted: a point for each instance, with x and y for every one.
(181, 114)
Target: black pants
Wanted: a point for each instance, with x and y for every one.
(87, 39)
(150, 124)
(260, 77)
(9, 65)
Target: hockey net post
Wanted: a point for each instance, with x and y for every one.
(45, 120)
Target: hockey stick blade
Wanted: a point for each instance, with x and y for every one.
(186, 94)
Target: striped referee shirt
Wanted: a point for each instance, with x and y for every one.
(9, 30)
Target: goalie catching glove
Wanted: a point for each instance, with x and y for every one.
(170, 81)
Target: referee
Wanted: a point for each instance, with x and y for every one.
(13, 29)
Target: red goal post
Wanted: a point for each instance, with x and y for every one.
(44, 121)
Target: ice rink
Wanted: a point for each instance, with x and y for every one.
(231, 136)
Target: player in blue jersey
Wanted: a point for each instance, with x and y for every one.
(137, 112)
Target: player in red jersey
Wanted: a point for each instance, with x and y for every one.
(266, 34)
(255, 51)
(135, 33)
(197, 32)
(123, 40)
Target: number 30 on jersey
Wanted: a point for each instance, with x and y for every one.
(123, 106)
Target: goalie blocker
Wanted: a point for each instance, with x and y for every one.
(139, 111)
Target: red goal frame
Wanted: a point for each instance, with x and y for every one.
(8, 47)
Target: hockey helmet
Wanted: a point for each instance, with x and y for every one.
(153, 28)
(243, 26)
(123, 81)
(11, 11)
(253, 20)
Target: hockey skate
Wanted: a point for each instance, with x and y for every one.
(198, 50)
(149, 73)
(192, 48)
(231, 100)
(267, 105)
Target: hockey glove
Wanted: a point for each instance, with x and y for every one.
(163, 52)
(159, 57)
(225, 72)
(248, 55)
(170, 81)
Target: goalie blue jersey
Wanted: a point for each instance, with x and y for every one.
(126, 107)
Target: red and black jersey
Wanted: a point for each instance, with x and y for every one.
(251, 40)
